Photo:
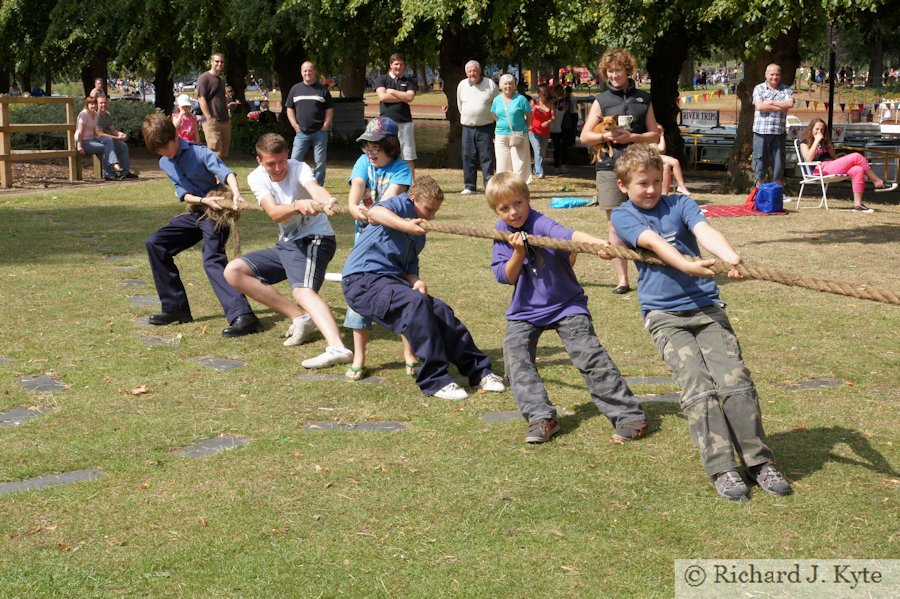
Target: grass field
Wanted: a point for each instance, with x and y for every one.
(453, 506)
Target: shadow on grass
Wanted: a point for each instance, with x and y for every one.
(571, 422)
(880, 234)
(811, 449)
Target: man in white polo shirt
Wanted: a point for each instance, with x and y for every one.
(474, 96)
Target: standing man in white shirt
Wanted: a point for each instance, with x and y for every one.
(474, 96)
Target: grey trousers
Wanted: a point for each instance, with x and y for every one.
(717, 395)
(604, 381)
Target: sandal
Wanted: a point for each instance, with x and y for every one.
(355, 374)
(412, 369)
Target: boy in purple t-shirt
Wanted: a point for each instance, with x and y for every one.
(548, 296)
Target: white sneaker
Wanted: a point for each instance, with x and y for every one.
(452, 391)
(296, 334)
(466, 192)
(492, 382)
(332, 356)
(529, 180)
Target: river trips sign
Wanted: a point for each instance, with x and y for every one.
(699, 118)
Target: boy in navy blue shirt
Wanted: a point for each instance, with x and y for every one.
(193, 171)
(682, 310)
(381, 281)
(547, 295)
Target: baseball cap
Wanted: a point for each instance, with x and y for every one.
(183, 100)
(379, 128)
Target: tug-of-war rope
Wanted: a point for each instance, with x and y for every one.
(856, 290)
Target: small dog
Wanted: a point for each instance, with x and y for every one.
(606, 124)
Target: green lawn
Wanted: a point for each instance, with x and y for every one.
(453, 506)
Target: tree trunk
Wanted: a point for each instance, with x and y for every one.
(289, 55)
(422, 79)
(665, 63)
(236, 71)
(4, 80)
(48, 81)
(686, 79)
(164, 84)
(458, 46)
(353, 70)
(786, 54)
(92, 70)
(876, 60)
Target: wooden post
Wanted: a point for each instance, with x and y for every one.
(74, 159)
(5, 146)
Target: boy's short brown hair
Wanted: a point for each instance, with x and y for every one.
(637, 157)
(426, 189)
(158, 131)
(504, 186)
(271, 143)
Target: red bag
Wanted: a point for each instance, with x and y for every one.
(750, 204)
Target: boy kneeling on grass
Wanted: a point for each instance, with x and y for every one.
(548, 296)
(682, 310)
(381, 281)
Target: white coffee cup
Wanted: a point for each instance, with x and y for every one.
(625, 121)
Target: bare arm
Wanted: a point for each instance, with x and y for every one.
(292, 118)
(668, 254)
(329, 116)
(204, 108)
(354, 200)
(380, 215)
(588, 137)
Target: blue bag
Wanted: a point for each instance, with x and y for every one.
(770, 198)
(569, 202)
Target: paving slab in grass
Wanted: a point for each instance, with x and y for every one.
(144, 301)
(132, 282)
(125, 268)
(318, 376)
(50, 480)
(813, 384)
(75, 231)
(18, 416)
(220, 364)
(6, 360)
(212, 446)
(116, 256)
(674, 397)
(385, 426)
(498, 417)
(649, 380)
(161, 340)
(143, 321)
(42, 383)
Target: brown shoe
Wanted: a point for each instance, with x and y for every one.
(541, 430)
(631, 430)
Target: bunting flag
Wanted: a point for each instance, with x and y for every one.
(690, 99)
(720, 93)
(815, 104)
(807, 103)
(862, 107)
(827, 105)
(705, 96)
(842, 106)
(696, 97)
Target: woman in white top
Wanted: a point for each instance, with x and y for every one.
(87, 141)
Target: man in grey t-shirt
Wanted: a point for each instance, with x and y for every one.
(216, 120)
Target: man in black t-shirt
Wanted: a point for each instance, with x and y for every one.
(396, 92)
(310, 111)
(211, 94)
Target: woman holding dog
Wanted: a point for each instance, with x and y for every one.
(635, 123)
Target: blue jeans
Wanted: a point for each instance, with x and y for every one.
(477, 146)
(106, 147)
(538, 148)
(319, 142)
(768, 150)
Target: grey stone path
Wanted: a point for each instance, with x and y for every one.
(125, 268)
(75, 231)
(50, 480)
(89, 239)
(386, 426)
(6, 360)
(161, 340)
(143, 321)
(662, 398)
(212, 446)
(132, 282)
(316, 376)
(42, 383)
(813, 384)
(18, 416)
(116, 256)
(220, 364)
(144, 301)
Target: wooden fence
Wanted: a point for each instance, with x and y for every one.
(8, 155)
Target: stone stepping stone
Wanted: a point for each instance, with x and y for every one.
(125, 268)
(370, 380)
(498, 417)
(132, 282)
(89, 239)
(161, 340)
(813, 384)
(18, 416)
(116, 256)
(6, 360)
(663, 398)
(143, 321)
(212, 446)
(50, 480)
(649, 380)
(42, 383)
(75, 231)
(366, 427)
(220, 364)
(144, 301)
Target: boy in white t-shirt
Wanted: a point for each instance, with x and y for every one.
(287, 190)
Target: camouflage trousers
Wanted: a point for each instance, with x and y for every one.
(603, 379)
(717, 395)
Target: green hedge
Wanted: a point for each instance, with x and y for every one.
(245, 132)
(127, 115)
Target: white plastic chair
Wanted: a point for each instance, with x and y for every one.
(809, 177)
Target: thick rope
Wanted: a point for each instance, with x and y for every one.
(874, 294)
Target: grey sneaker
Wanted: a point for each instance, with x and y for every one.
(731, 486)
(631, 430)
(452, 391)
(296, 334)
(541, 430)
(492, 382)
(771, 480)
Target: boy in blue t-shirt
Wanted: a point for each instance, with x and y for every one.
(381, 281)
(547, 295)
(683, 312)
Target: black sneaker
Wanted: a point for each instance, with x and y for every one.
(771, 480)
(862, 208)
(166, 318)
(730, 485)
(541, 430)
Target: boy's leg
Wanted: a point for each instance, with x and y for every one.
(519, 347)
(214, 261)
(737, 392)
(676, 343)
(162, 247)
(305, 262)
(254, 275)
(458, 343)
(604, 381)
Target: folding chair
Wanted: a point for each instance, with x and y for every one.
(808, 176)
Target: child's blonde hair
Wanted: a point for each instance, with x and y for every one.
(504, 186)
(637, 157)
